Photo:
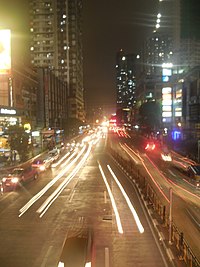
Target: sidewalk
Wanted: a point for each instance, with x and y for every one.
(5, 166)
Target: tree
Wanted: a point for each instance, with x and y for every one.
(150, 115)
(72, 126)
(18, 140)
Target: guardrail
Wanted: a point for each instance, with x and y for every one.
(184, 251)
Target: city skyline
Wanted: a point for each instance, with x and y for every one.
(124, 26)
(124, 20)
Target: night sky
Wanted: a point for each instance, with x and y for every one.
(108, 26)
(111, 25)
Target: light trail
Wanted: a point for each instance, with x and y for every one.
(119, 225)
(133, 211)
(171, 182)
(136, 154)
(54, 165)
(185, 190)
(48, 202)
(70, 157)
(50, 184)
(154, 181)
(125, 149)
(151, 176)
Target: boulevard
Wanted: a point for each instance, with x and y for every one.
(85, 190)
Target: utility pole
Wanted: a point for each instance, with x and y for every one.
(170, 216)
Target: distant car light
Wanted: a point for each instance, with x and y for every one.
(88, 264)
(150, 146)
(42, 168)
(166, 157)
(14, 180)
(4, 179)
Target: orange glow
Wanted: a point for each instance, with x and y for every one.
(5, 51)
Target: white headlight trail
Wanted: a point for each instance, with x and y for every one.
(119, 225)
(47, 203)
(49, 185)
(137, 220)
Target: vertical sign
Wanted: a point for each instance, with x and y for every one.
(5, 52)
(167, 103)
(46, 90)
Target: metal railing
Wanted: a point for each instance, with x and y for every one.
(184, 251)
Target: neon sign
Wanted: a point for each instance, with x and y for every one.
(8, 111)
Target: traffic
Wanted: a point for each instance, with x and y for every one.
(56, 174)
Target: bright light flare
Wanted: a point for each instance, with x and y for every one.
(166, 157)
(61, 264)
(5, 51)
(15, 180)
(42, 168)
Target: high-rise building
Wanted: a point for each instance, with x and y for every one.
(157, 50)
(190, 20)
(126, 75)
(180, 20)
(189, 54)
(184, 30)
(49, 36)
(76, 90)
(56, 45)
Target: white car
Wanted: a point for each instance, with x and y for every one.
(54, 155)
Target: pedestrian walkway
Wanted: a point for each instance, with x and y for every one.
(8, 164)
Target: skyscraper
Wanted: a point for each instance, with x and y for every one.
(190, 19)
(56, 45)
(76, 91)
(126, 75)
(189, 33)
(180, 20)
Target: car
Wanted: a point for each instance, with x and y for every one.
(54, 155)
(42, 164)
(193, 172)
(150, 146)
(166, 154)
(18, 177)
(77, 251)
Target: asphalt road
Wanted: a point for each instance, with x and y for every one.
(164, 176)
(66, 201)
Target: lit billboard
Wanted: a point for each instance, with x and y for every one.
(166, 74)
(166, 103)
(5, 51)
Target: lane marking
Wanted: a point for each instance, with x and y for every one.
(107, 264)
(133, 211)
(119, 225)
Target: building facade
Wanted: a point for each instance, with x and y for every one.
(76, 90)
(18, 106)
(174, 41)
(56, 46)
(126, 86)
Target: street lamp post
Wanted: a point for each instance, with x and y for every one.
(198, 151)
(170, 216)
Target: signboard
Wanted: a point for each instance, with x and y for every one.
(7, 111)
(5, 51)
(166, 102)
